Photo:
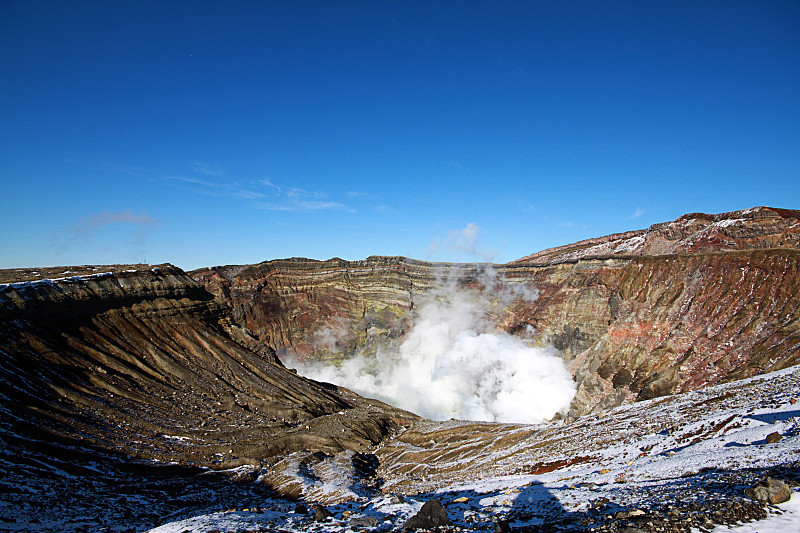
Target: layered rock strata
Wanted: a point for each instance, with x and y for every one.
(638, 328)
(631, 326)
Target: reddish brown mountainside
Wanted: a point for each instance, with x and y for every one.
(748, 229)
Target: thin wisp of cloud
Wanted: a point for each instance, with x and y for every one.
(464, 240)
(208, 170)
(636, 214)
(87, 224)
(263, 193)
(300, 205)
(124, 232)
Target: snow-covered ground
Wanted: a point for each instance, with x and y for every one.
(689, 455)
(784, 519)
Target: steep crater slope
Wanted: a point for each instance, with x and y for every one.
(710, 299)
(104, 374)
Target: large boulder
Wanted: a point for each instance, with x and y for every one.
(432, 514)
(771, 491)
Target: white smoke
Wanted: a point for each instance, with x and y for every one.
(455, 363)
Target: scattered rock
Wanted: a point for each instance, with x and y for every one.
(363, 521)
(431, 515)
(771, 491)
(632, 513)
(321, 514)
(396, 499)
(462, 499)
(600, 503)
(604, 471)
(773, 437)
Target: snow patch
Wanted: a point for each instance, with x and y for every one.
(52, 282)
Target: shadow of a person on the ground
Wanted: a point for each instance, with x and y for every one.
(773, 417)
(529, 508)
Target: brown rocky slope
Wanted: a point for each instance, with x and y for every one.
(143, 364)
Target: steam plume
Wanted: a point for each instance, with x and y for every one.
(455, 363)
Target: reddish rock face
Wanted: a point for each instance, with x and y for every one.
(697, 301)
(638, 328)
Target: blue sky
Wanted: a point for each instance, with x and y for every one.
(207, 133)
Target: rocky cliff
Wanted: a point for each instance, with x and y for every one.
(638, 328)
(323, 309)
(697, 301)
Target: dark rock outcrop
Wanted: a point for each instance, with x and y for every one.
(321, 514)
(363, 521)
(433, 514)
(774, 437)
